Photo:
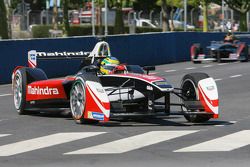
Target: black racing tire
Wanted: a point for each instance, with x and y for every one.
(189, 88)
(19, 90)
(218, 57)
(197, 62)
(245, 60)
(197, 51)
(246, 56)
(78, 101)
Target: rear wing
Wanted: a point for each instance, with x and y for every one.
(101, 50)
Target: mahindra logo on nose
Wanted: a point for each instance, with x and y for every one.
(42, 91)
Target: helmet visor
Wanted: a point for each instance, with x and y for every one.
(109, 67)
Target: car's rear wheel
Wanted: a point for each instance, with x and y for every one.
(19, 91)
(189, 88)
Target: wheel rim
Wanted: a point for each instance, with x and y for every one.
(189, 93)
(77, 100)
(18, 91)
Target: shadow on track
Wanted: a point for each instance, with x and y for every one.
(131, 122)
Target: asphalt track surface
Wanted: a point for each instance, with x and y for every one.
(52, 139)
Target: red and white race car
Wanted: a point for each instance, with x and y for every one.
(93, 97)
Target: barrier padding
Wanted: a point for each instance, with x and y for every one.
(143, 49)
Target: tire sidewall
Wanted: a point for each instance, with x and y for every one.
(21, 73)
(79, 120)
(194, 79)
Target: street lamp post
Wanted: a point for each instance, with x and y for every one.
(185, 15)
(28, 18)
(106, 18)
(93, 17)
(222, 15)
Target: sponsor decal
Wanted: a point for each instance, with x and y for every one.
(149, 87)
(201, 56)
(210, 88)
(42, 91)
(98, 116)
(45, 54)
(32, 56)
(100, 90)
(233, 56)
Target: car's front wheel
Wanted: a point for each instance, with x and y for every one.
(189, 88)
(19, 91)
(77, 101)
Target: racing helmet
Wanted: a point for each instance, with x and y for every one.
(108, 64)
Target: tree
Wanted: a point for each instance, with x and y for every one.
(3, 21)
(204, 4)
(241, 6)
(100, 4)
(66, 27)
(165, 15)
(146, 6)
(119, 24)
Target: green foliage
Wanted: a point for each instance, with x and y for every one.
(179, 3)
(147, 29)
(241, 6)
(86, 30)
(119, 24)
(3, 21)
(145, 5)
(66, 27)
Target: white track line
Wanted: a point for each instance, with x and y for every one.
(3, 86)
(190, 68)
(218, 79)
(222, 64)
(206, 66)
(132, 143)
(225, 143)
(3, 135)
(3, 95)
(170, 70)
(236, 76)
(43, 142)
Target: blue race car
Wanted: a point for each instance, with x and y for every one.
(220, 51)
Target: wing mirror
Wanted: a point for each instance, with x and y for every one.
(148, 68)
(92, 68)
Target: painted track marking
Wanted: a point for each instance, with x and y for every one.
(43, 142)
(132, 143)
(170, 70)
(222, 64)
(218, 79)
(3, 135)
(190, 68)
(236, 76)
(3, 95)
(206, 66)
(225, 143)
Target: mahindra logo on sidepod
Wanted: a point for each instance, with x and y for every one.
(42, 91)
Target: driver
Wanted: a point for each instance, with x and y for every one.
(108, 64)
(229, 37)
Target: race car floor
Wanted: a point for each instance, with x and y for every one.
(53, 139)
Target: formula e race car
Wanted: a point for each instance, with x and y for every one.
(93, 97)
(220, 51)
